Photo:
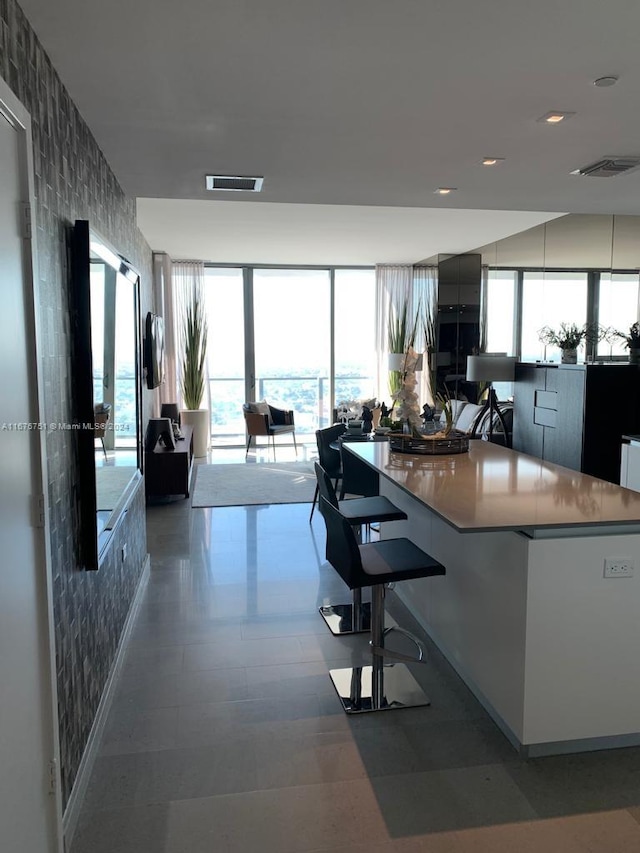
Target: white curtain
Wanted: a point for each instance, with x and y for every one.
(417, 287)
(425, 294)
(393, 287)
(187, 281)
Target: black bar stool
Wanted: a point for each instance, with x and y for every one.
(329, 457)
(354, 617)
(376, 687)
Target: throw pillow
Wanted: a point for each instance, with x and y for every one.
(467, 417)
(260, 408)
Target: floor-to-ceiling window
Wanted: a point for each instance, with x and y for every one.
(617, 309)
(224, 293)
(291, 315)
(548, 299)
(274, 334)
(354, 335)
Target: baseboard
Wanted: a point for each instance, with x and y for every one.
(72, 812)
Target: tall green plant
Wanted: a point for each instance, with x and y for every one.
(195, 351)
(400, 337)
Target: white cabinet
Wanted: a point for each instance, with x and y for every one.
(630, 463)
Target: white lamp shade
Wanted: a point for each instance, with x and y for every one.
(490, 367)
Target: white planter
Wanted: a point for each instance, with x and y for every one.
(396, 360)
(569, 356)
(198, 419)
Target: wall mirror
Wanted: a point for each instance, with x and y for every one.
(107, 387)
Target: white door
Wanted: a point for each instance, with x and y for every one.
(28, 809)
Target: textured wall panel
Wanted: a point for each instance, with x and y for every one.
(73, 181)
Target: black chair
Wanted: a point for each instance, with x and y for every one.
(354, 617)
(358, 478)
(376, 687)
(263, 419)
(328, 456)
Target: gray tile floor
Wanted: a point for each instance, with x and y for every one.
(225, 735)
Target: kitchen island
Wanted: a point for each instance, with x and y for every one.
(525, 614)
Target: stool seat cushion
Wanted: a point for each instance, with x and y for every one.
(396, 560)
(367, 510)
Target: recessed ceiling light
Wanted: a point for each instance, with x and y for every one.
(492, 161)
(603, 82)
(555, 117)
(445, 190)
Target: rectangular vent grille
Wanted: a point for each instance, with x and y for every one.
(234, 183)
(609, 167)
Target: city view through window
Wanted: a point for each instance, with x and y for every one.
(291, 337)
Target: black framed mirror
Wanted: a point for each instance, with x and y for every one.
(107, 390)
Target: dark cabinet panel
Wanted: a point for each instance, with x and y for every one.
(575, 416)
(527, 434)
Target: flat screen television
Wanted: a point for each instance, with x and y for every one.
(154, 350)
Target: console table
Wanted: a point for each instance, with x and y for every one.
(168, 472)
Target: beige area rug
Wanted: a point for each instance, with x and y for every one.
(259, 483)
(111, 483)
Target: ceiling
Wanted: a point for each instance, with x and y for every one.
(358, 103)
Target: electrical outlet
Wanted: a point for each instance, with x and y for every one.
(618, 567)
(124, 552)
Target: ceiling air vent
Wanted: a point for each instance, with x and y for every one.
(608, 167)
(234, 183)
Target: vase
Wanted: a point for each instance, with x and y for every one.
(569, 356)
(634, 355)
(200, 421)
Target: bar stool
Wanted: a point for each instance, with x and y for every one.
(355, 617)
(376, 687)
(328, 456)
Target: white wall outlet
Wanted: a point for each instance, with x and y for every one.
(619, 567)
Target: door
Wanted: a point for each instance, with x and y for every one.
(29, 811)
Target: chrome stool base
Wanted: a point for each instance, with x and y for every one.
(362, 689)
(347, 618)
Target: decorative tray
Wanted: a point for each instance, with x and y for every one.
(430, 445)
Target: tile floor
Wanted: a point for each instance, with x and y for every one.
(225, 735)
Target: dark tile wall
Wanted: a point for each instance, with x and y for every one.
(73, 181)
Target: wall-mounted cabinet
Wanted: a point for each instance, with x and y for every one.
(575, 415)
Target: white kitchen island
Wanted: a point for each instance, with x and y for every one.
(525, 614)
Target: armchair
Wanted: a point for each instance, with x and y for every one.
(263, 419)
(101, 414)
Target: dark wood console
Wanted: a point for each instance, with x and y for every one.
(168, 472)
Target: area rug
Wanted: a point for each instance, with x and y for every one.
(259, 483)
(111, 483)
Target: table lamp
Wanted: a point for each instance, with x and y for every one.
(491, 367)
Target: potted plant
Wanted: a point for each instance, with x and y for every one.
(193, 375)
(632, 340)
(401, 336)
(568, 337)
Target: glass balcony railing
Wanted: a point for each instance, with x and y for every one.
(308, 396)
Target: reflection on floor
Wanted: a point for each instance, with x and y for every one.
(225, 735)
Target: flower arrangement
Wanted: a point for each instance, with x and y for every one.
(632, 337)
(566, 336)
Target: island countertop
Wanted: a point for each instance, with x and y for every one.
(495, 488)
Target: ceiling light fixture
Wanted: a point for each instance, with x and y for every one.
(445, 190)
(555, 117)
(603, 82)
(492, 161)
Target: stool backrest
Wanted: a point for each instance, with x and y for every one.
(325, 486)
(330, 458)
(357, 477)
(342, 548)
